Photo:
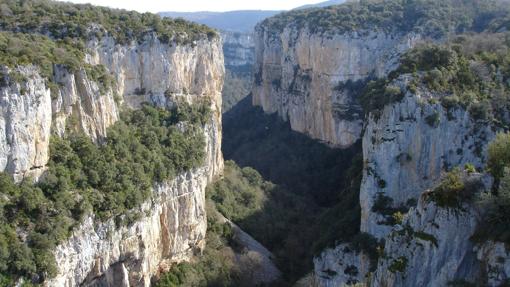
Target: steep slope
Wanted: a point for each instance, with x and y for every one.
(81, 84)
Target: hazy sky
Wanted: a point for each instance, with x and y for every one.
(199, 5)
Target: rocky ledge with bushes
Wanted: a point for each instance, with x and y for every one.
(77, 75)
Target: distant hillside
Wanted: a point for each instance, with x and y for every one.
(322, 4)
(235, 21)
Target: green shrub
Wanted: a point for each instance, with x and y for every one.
(480, 111)
(398, 265)
(451, 192)
(29, 49)
(469, 168)
(499, 155)
(427, 237)
(433, 120)
(398, 217)
(377, 94)
(465, 72)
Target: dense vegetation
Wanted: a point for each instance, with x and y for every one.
(70, 21)
(19, 49)
(313, 202)
(432, 18)
(31, 49)
(470, 72)
(111, 180)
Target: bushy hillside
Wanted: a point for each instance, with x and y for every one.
(64, 20)
(431, 18)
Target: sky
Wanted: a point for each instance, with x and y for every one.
(199, 5)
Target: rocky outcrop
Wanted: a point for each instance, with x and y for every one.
(173, 223)
(172, 229)
(299, 75)
(407, 148)
(263, 270)
(432, 247)
(80, 103)
(495, 260)
(25, 124)
(340, 266)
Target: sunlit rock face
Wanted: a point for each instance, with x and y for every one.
(172, 228)
(405, 153)
(299, 75)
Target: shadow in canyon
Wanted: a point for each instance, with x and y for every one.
(282, 156)
(315, 200)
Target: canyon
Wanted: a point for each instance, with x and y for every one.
(362, 154)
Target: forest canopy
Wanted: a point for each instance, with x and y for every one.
(65, 20)
(430, 18)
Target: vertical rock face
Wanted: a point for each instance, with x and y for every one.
(432, 249)
(298, 74)
(79, 102)
(409, 146)
(238, 49)
(173, 225)
(340, 266)
(432, 246)
(172, 230)
(25, 124)
(495, 259)
(152, 68)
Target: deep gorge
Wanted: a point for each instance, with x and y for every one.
(361, 144)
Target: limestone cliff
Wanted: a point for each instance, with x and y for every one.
(149, 71)
(432, 246)
(238, 49)
(172, 230)
(298, 74)
(405, 152)
(174, 223)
